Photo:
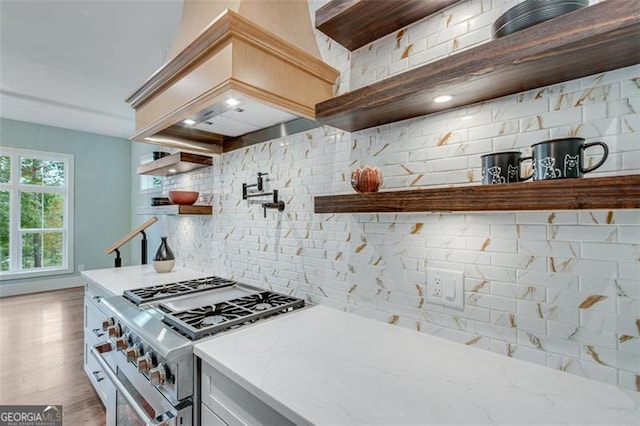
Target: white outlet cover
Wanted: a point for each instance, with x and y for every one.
(445, 287)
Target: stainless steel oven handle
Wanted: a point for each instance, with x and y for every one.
(97, 351)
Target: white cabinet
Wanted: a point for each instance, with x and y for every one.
(93, 334)
(224, 402)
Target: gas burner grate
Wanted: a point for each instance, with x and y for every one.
(211, 315)
(207, 320)
(163, 291)
(264, 301)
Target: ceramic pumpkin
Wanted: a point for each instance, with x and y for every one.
(366, 179)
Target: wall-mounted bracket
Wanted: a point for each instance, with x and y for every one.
(276, 204)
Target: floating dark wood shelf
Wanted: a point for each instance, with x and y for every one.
(592, 40)
(175, 210)
(615, 192)
(355, 23)
(179, 162)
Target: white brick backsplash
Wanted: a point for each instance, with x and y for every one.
(519, 261)
(629, 344)
(584, 233)
(549, 311)
(611, 358)
(526, 274)
(549, 248)
(589, 129)
(489, 273)
(521, 141)
(529, 354)
(493, 130)
(460, 336)
(628, 306)
(628, 380)
(493, 331)
(522, 109)
(631, 86)
(478, 314)
(520, 292)
(557, 218)
(608, 77)
(490, 302)
(585, 96)
(581, 300)
(611, 251)
(582, 334)
(530, 232)
(548, 343)
(595, 111)
(446, 34)
(485, 243)
(612, 287)
(583, 368)
(520, 322)
(623, 107)
(595, 268)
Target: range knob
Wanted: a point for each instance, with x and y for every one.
(114, 330)
(144, 363)
(122, 343)
(158, 375)
(107, 323)
(132, 353)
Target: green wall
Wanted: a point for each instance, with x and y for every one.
(102, 166)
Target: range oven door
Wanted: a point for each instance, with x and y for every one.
(136, 401)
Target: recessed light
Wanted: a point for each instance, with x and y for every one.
(189, 122)
(232, 102)
(172, 170)
(443, 98)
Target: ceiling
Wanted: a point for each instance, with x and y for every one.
(71, 64)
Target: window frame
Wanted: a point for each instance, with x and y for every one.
(15, 187)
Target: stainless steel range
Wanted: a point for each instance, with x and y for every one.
(149, 355)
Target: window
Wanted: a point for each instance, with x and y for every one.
(36, 208)
(149, 184)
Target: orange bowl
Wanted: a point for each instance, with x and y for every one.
(183, 197)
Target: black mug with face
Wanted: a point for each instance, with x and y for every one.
(563, 158)
(502, 167)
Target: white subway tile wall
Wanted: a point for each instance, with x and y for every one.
(557, 288)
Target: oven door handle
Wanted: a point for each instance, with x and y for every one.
(97, 352)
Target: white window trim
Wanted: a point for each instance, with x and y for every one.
(68, 266)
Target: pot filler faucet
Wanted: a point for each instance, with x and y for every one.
(275, 204)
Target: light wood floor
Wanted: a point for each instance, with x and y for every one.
(41, 355)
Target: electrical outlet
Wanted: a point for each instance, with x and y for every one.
(445, 287)
(81, 267)
(436, 289)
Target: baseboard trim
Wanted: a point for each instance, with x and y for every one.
(15, 289)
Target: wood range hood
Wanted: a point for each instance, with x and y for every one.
(240, 72)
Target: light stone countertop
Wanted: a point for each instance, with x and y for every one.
(117, 280)
(323, 366)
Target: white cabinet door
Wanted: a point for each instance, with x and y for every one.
(235, 405)
(207, 418)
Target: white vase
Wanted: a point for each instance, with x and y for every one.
(162, 266)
